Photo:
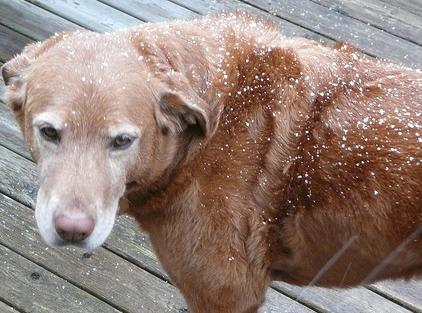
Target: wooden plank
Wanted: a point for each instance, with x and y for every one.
(90, 14)
(1, 83)
(276, 302)
(31, 288)
(18, 177)
(413, 6)
(129, 243)
(340, 27)
(151, 10)
(407, 294)
(11, 43)
(286, 28)
(25, 18)
(355, 300)
(10, 133)
(104, 274)
(4, 308)
(394, 20)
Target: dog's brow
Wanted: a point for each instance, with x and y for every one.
(52, 118)
(121, 128)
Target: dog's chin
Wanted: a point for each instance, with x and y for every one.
(89, 244)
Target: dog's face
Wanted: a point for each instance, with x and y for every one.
(96, 118)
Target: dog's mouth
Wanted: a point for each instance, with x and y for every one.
(84, 244)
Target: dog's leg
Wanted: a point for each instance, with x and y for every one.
(213, 284)
(226, 304)
(214, 276)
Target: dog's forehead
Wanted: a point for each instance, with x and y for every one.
(90, 80)
(87, 56)
(84, 71)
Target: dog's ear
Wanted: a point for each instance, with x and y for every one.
(13, 71)
(183, 108)
(179, 112)
(184, 102)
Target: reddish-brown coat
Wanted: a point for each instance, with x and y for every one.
(296, 156)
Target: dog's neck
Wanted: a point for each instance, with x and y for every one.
(227, 168)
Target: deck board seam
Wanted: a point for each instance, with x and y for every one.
(39, 5)
(394, 300)
(18, 32)
(185, 7)
(311, 306)
(366, 23)
(397, 6)
(13, 306)
(288, 20)
(123, 11)
(137, 264)
(14, 151)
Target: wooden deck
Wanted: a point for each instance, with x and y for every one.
(124, 275)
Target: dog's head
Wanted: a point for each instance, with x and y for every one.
(99, 112)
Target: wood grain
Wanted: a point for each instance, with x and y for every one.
(25, 18)
(90, 14)
(151, 10)
(10, 134)
(413, 6)
(4, 308)
(11, 43)
(343, 28)
(355, 300)
(404, 293)
(288, 29)
(104, 274)
(394, 20)
(31, 288)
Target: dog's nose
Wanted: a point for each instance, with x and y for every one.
(74, 227)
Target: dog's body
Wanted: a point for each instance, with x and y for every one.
(262, 158)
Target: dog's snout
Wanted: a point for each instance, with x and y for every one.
(74, 227)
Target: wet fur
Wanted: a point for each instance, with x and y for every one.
(290, 155)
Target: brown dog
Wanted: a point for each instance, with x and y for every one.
(246, 156)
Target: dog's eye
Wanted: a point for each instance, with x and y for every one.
(50, 133)
(122, 142)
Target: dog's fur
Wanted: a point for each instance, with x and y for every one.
(258, 157)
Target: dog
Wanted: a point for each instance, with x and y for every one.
(246, 156)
